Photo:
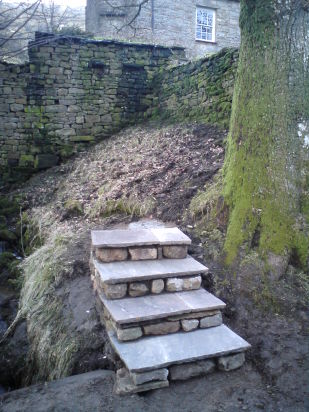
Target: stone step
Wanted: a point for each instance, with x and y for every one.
(138, 237)
(161, 351)
(157, 307)
(134, 271)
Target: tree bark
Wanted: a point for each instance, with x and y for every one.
(266, 179)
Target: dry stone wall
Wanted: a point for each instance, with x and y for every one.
(200, 90)
(73, 92)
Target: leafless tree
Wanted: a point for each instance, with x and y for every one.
(19, 21)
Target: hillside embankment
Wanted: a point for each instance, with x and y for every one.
(171, 174)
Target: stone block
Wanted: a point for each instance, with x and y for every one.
(124, 384)
(143, 253)
(138, 289)
(189, 324)
(111, 254)
(192, 283)
(231, 362)
(190, 370)
(117, 291)
(155, 375)
(211, 321)
(157, 286)
(129, 334)
(174, 285)
(44, 161)
(175, 252)
(163, 328)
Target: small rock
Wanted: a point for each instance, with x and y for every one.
(211, 321)
(190, 370)
(143, 253)
(155, 375)
(174, 285)
(175, 252)
(231, 362)
(163, 328)
(189, 324)
(138, 289)
(192, 283)
(117, 291)
(129, 334)
(112, 254)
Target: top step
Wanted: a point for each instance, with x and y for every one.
(141, 237)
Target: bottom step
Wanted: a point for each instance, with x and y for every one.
(161, 351)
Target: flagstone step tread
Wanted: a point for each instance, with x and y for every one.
(150, 307)
(131, 271)
(161, 351)
(119, 238)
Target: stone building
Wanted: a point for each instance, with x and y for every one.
(201, 26)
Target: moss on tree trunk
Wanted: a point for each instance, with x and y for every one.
(266, 168)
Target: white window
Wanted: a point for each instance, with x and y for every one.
(205, 24)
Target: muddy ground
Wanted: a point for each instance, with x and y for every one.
(154, 173)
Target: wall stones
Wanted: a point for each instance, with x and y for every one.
(138, 289)
(162, 328)
(190, 370)
(211, 321)
(189, 324)
(143, 253)
(157, 286)
(129, 334)
(231, 362)
(175, 252)
(72, 93)
(118, 291)
(111, 254)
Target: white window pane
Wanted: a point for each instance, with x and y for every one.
(205, 20)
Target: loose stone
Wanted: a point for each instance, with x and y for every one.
(138, 289)
(157, 286)
(189, 324)
(175, 252)
(155, 375)
(192, 283)
(231, 362)
(143, 253)
(174, 285)
(211, 321)
(190, 370)
(111, 254)
(129, 334)
(117, 291)
(163, 328)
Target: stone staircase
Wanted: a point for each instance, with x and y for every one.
(161, 322)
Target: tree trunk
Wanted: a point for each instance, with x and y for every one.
(266, 179)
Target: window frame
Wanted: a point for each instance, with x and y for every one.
(214, 11)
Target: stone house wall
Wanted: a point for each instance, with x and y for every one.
(166, 22)
(73, 92)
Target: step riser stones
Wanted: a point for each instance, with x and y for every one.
(136, 289)
(121, 245)
(165, 327)
(140, 271)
